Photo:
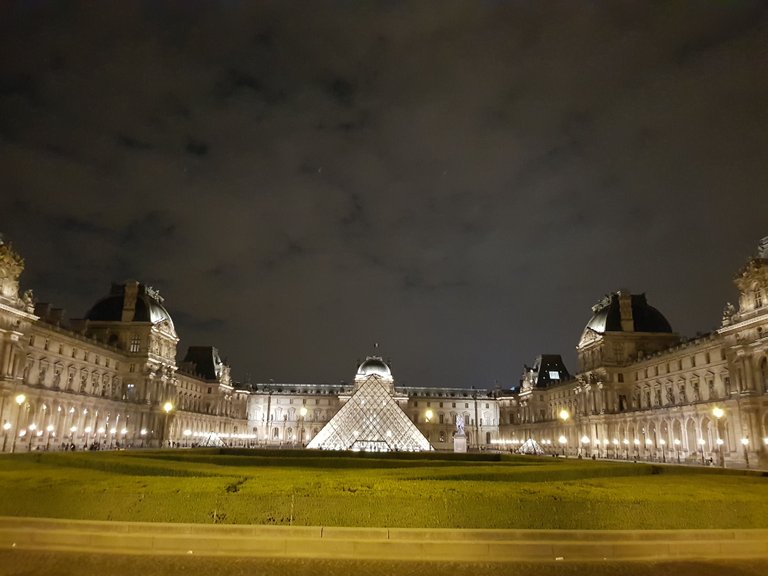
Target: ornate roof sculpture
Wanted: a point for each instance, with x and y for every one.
(371, 420)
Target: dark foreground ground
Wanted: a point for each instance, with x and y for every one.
(34, 563)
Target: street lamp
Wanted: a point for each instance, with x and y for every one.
(718, 413)
(167, 407)
(429, 415)
(584, 441)
(48, 429)
(32, 428)
(6, 427)
(676, 442)
(701, 448)
(626, 448)
(563, 441)
(20, 399)
(745, 443)
(636, 442)
(302, 414)
(663, 453)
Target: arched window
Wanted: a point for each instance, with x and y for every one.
(758, 298)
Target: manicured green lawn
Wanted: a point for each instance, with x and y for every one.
(397, 490)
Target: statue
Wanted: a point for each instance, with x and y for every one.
(28, 299)
(683, 396)
(696, 394)
(459, 439)
(459, 424)
(670, 396)
(728, 313)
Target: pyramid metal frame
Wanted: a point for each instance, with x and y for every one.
(371, 420)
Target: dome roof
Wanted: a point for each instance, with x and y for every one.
(374, 366)
(645, 318)
(147, 305)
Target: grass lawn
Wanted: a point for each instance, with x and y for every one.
(394, 490)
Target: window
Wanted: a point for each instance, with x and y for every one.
(758, 298)
(621, 377)
(135, 343)
(442, 419)
(441, 404)
(210, 389)
(693, 361)
(706, 358)
(453, 404)
(466, 405)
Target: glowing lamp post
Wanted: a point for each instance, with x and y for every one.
(563, 441)
(564, 416)
(663, 452)
(19, 399)
(676, 442)
(636, 442)
(32, 428)
(745, 443)
(6, 427)
(48, 429)
(302, 414)
(142, 433)
(584, 443)
(718, 413)
(72, 431)
(167, 407)
(701, 448)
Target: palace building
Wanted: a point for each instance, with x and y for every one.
(640, 391)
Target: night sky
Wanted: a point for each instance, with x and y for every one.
(457, 181)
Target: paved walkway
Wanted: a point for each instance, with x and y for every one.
(334, 543)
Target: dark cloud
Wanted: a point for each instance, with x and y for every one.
(456, 181)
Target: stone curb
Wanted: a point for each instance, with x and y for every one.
(377, 543)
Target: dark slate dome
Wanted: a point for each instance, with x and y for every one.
(148, 306)
(646, 318)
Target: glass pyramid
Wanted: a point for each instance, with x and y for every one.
(372, 421)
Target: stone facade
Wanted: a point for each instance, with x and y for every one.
(641, 391)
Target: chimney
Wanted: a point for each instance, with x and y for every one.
(625, 309)
(129, 300)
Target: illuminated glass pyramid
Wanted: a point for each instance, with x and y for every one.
(371, 419)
